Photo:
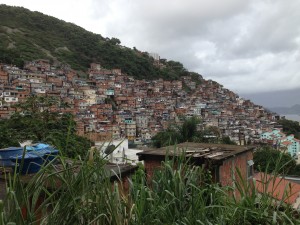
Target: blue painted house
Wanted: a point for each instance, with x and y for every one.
(280, 139)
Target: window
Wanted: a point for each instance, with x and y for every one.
(250, 164)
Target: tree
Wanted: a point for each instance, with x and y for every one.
(34, 121)
(267, 159)
(114, 41)
(188, 131)
(165, 138)
(212, 134)
(189, 128)
(177, 134)
(290, 127)
(226, 140)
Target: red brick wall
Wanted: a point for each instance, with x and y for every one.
(228, 172)
(151, 165)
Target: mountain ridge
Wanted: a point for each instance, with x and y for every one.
(27, 35)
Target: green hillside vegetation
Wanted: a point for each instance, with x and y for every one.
(290, 127)
(27, 36)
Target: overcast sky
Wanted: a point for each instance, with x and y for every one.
(249, 46)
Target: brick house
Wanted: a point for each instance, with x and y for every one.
(222, 160)
(6, 112)
(3, 76)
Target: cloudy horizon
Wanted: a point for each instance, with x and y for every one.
(249, 47)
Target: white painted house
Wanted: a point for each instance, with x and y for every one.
(122, 154)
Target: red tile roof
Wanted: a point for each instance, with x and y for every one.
(286, 143)
(279, 188)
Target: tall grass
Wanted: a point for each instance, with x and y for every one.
(81, 192)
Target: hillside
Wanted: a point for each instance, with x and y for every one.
(27, 35)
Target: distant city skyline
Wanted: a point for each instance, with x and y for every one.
(250, 47)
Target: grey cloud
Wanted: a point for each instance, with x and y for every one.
(273, 31)
(248, 46)
(99, 8)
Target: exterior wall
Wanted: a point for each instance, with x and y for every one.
(150, 166)
(268, 135)
(142, 121)
(228, 172)
(277, 136)
(96, 136)
(109, 92)
(122, 151)
(294, 148)
(130, 130)
(10, 99)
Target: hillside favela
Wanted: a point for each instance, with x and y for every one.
(95, 132)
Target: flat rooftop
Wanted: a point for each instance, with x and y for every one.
(203, 151)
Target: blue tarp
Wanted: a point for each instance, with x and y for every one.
(37, 147)
(41, 150)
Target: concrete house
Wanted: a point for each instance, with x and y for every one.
(279, 139)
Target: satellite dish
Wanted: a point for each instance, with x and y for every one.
(109, 149)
